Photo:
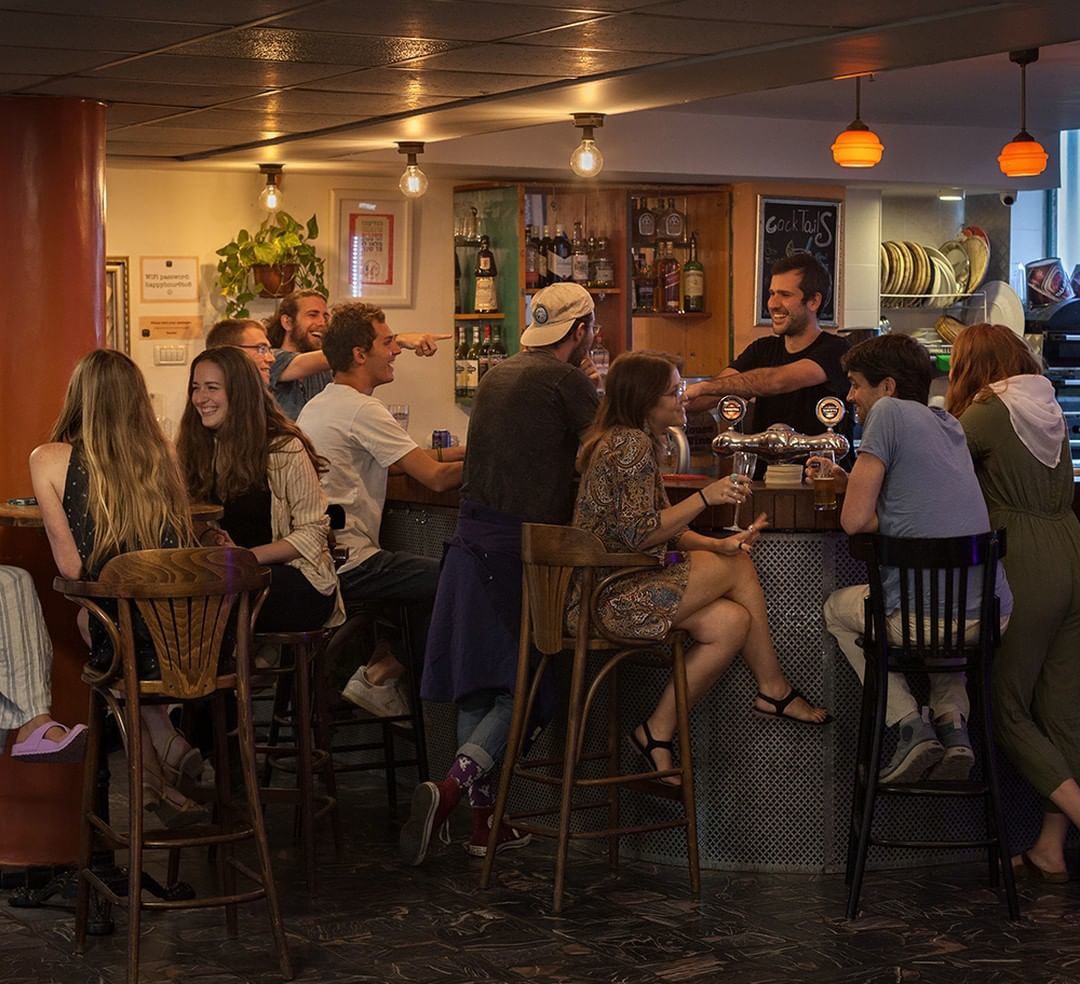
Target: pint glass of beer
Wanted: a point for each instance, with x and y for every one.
(824, 482)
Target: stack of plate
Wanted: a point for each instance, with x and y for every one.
(913, 275)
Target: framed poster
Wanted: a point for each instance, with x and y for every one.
(788, 225)
(374, 240)
(117, 310)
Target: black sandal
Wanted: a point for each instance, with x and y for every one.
(646, 750)
(780, 706)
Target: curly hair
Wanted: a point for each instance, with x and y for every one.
(983, 354)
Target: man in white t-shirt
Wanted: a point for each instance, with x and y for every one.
(362, 442)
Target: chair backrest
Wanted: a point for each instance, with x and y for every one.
(186, 599)
(939, 580)
(550, 555)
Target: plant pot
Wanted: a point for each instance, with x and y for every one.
(274, 281)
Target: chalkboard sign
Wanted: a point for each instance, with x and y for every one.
(787, 226)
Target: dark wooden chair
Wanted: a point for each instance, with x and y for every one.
(551, 555)
(938, 577)
(193, 603)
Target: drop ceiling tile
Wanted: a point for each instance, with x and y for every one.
(601, 6)
(274, 44)
(522, 59)
(187, 135)
(87, 33)
(9, 81)
(449, 84)
(52, 61)
(354, 104)
(122, 90)
(464, 20)
(641, 32)
(115, 148)
(197, 69)
(199, 11)
(823, 13)
(246, 119)
(125, 114)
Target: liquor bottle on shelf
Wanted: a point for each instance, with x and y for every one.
(544, 256)
(458, 304)
(487, 299)
(497, 351)
(579, 258)
(532, 258)
(644, 285)
(472, 363)
(674, 222)
(601, 359)
(693, 276)
(604, 266)
(461, 370)
(560, 265)
(592, 246)
(644, 224)
(484, 359)
(668, 298)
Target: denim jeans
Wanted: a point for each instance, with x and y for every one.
(483, 726)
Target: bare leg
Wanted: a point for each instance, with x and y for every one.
(1048, 851)
(383, 667)
(53, 734)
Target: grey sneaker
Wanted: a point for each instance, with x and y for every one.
(955, 765)
(917, 749)
(382, 700)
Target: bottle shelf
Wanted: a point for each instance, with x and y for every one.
(478, 316)
(529, 291)
(671, 314)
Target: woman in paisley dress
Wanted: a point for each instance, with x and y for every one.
(708, 586)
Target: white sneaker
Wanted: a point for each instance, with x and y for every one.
(382, 700)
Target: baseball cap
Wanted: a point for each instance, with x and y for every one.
(554, 310)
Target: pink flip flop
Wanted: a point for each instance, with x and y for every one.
(37, 748)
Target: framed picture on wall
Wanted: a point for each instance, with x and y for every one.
(808, 225)
(117, 311)
(374, 241)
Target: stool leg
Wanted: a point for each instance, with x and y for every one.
(412, 676)
(135, 836)
(91, 764)
(613, 767)
(997, 823)
(283, 690)
(326, 744)
(686, 761)
(222, 806)
(570, 757)
(305, 783)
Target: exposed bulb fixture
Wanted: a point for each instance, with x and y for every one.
(271, 197)
(858, 145)
(1023, 156)
(586, 161)
(413, 181)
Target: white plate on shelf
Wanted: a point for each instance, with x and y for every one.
(1003, 307)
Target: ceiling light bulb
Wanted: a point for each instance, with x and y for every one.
(270, 198)
(413, 182)
(586, 161)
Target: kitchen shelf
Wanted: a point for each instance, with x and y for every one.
(478, 316)
(671, 314)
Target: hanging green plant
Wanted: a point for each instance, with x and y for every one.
(277, 259)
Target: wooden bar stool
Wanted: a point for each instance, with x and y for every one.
(188, 600)
(300, 705)
(936, 581)
(551, 556)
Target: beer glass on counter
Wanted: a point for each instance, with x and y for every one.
(742, 470)
(824, 481)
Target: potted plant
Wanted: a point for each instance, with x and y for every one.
(277, 259)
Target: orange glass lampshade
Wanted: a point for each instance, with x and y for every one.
(1022, 157)
(857, 146)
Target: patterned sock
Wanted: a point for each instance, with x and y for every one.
(465, 771)
(481, 793)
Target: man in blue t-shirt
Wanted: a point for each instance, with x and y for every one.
(913, 477)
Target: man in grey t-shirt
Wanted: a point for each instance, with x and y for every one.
(913, 478)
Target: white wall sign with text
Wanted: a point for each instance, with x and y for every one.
(169, 278)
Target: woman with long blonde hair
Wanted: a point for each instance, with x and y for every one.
(108, 483)
(1019, 442)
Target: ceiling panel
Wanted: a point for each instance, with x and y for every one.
(245, 120)
(194, 136)
(129, 149)
(317, 101)
(10, 81)
(52, 61)
(463, 20)
(202, 70)
(820, 13)
(677, 37)
(276, 44)
(122, 90)
(449, 84)
(86, 33)
(523, 59)
(190, 11)
(126, 114)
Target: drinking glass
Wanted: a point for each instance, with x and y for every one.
(824, 482)
(743, 465)
(400, 413)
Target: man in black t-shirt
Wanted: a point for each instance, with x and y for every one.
(787, 372)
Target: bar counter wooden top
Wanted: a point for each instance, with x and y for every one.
(788, 508)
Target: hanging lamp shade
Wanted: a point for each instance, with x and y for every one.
(858, 145)
(1023, 156)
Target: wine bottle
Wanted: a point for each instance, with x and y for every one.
(461, 369)
(560, 264)
(693, 275)
(487, 299)
(544, 257)
(497, 351)
(668, 299)
(484, 362)
(532, 259)
(644, 286)
(472, 363)
(579, 258)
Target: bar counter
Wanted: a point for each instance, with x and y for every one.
(771, 794)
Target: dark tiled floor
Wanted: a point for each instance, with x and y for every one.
(374, 920)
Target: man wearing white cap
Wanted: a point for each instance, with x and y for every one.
(527, 421)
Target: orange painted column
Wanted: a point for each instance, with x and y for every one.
(52, 197)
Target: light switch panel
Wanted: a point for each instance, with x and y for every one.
(170, 355)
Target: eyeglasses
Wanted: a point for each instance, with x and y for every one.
(262, 348)
(679, 392)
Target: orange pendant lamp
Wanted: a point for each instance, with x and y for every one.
(1023, 156)
(858, 145)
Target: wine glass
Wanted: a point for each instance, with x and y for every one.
(743, 465)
